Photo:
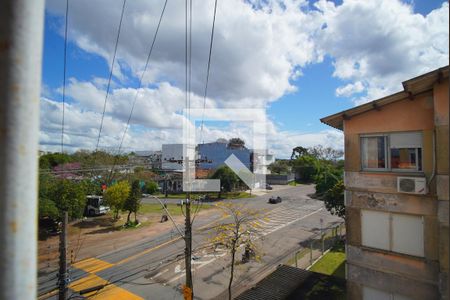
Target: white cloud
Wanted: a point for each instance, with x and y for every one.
(260, 47)
(255, 54)
(350, 89)
(378, 44)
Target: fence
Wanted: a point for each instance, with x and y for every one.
(279, 178)
(313, 248)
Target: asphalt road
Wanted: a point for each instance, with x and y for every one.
(154, 268)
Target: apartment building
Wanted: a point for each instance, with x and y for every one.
(397, 198)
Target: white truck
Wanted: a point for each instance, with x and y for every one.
(95, 206)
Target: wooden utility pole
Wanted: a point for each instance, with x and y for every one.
(189, 291)
(63, 278)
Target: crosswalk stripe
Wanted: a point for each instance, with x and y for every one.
(92, 265)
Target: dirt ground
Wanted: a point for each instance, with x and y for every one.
(93, 236)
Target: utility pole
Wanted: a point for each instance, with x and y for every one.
(21, 38)
(189, 292)
(63, 278)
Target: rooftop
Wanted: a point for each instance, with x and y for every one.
(412, 87)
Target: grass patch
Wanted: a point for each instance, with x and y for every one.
(292, 183)
(171, 196)
(237, 195)
(230, 195)
(154, 208)
(332, 263)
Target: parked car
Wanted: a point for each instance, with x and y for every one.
(275, 200)
(269, 187)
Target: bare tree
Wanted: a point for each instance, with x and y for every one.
(240, 230)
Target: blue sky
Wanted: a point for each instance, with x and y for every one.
(300, 60)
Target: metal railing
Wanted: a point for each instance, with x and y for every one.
(314, 247)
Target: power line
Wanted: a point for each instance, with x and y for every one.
(64, 77)
(110, 75)
(209, 66)
(140, 84)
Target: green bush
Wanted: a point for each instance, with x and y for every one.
(151, 187)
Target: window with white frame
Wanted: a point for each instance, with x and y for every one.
(392, 152)
(399, 233)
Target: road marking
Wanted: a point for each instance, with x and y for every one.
(109, 291)
(216, 255)
(48, 294)
(92, 265)
(146, 251)
(202, 265)
(177, 269)
(87, 282)
(208, 224)
(160, 273)
(195, 262)
(289, 223)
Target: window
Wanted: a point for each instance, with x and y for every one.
(375, 229)
(374, 152)
(394, 151)
(393, 232)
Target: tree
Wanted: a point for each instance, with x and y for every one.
(228, 179)
(334, 199)
(325, 153)
(47, 208)
(151, 187)
(116, 195)
(133, 202)
(236, 143)
(298, 152)
(327, 176)
(280, 167)
(68, 196)
(50, 160)
(305, 167)
(241, 230)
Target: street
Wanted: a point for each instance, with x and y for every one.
(154, 268)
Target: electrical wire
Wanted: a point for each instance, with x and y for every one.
(110, 75)
(208, 70)
(139, 87)
(64, 78)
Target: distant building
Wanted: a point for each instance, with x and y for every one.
(172, 181)
(149, 159)
(397, 192)
(216, 154)
(172, 155)
(261, 159)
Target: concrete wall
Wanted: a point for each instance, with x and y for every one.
(417, 278)
(441, 119)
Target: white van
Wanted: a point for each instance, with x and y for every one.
(94, 206)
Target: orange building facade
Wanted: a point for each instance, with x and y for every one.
(397, 199)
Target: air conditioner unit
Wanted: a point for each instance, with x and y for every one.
(412, 185)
